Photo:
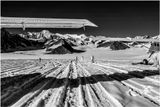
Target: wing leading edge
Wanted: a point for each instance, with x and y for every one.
(15, 22)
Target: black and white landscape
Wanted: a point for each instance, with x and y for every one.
(79, 66)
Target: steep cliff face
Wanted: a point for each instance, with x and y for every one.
(118, 46)
(13, 42)
(61, 47)
(115, 45)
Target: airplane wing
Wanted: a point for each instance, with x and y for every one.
(15, 22)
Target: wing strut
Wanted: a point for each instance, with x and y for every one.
(84, 27)
(23, 26)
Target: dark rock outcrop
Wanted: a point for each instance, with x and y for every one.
(104, 44)
(118, 46)
(114, 45)
(61, 47)
(14, 42)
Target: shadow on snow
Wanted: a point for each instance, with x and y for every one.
(18, 80)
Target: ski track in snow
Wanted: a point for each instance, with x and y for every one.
(66, 84)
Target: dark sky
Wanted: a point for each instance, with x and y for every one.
(113, 18)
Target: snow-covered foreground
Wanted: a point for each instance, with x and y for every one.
(65, 83)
